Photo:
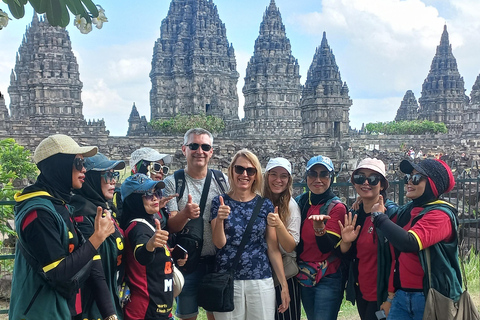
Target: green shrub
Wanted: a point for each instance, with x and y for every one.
(182, 123)
(15, 163)
(407, 127)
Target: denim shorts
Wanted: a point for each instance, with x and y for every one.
(187, 305)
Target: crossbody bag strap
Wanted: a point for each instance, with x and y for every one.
(246, 235)
(429, 266)
(206, 190)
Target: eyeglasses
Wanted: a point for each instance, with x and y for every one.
(373, 180)
(79, 163)
(276, 176)
(195, 146)
(149, 195)
(110, 175)
(415, 178)
(240, 170)
(157, 168)
(322, 174)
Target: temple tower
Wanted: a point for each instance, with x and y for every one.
(472, 111)
(3, 114)
(443, 91)
(45, 81)
(408, 109)
(272, 83)
(193, 66)
(325, 101)
(136, 125)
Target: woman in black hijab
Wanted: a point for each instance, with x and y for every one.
(424, 225)
(98, 189)
(53, 258)
(149, 266)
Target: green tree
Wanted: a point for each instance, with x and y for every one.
(15, 163)
(407, 127)
(182, 123)
(15, 159)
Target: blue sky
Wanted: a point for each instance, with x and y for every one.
(383, 48)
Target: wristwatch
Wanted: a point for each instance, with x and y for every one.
(374, 215)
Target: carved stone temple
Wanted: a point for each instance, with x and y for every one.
(194, 71)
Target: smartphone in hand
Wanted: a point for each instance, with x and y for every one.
(178, 253)
(381, 315)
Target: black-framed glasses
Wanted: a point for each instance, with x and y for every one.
(110, 175)
(373, 180)
(157, 167)
(195, 146)
(322, 174)
(149, 194)
(79, 163)
(240, 170)
(415, 178)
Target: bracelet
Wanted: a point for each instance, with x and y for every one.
(390, 299)
(319, 231)
(112, 317)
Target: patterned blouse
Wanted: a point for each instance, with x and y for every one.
(254, 263)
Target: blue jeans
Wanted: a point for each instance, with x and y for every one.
(187, 305)
(322, 302)
(407, 305)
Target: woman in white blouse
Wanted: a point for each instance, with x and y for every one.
(286, 220)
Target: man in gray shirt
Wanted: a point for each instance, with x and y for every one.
(197, 148)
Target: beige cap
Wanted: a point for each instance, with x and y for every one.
(60, 143)
(373, 164)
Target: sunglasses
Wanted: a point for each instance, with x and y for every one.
(240, 170)
(322, 174)
(149, 194)
(195, 146)
(415, 178)
(110, 175)
(157, 168)
(79, 164)
(373, 180)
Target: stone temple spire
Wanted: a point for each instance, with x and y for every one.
(193, 64)
(325, 101)
(408, 108)
(443, 91)
(272, 82)
(471, 123)
(45, 81)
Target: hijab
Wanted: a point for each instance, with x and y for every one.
(55, 176)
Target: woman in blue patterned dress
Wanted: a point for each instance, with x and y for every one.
(254, 295)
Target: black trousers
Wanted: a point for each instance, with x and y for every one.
(295, 308)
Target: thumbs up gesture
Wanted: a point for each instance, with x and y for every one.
(159, 238)
(223, 210)
(273, 219)
(192, 210)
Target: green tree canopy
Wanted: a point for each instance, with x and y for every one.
(182, 123)
(407, 127)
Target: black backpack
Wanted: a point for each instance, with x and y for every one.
(191, 236)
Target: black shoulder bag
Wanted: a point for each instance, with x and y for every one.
(216, 289)
(191, 236)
